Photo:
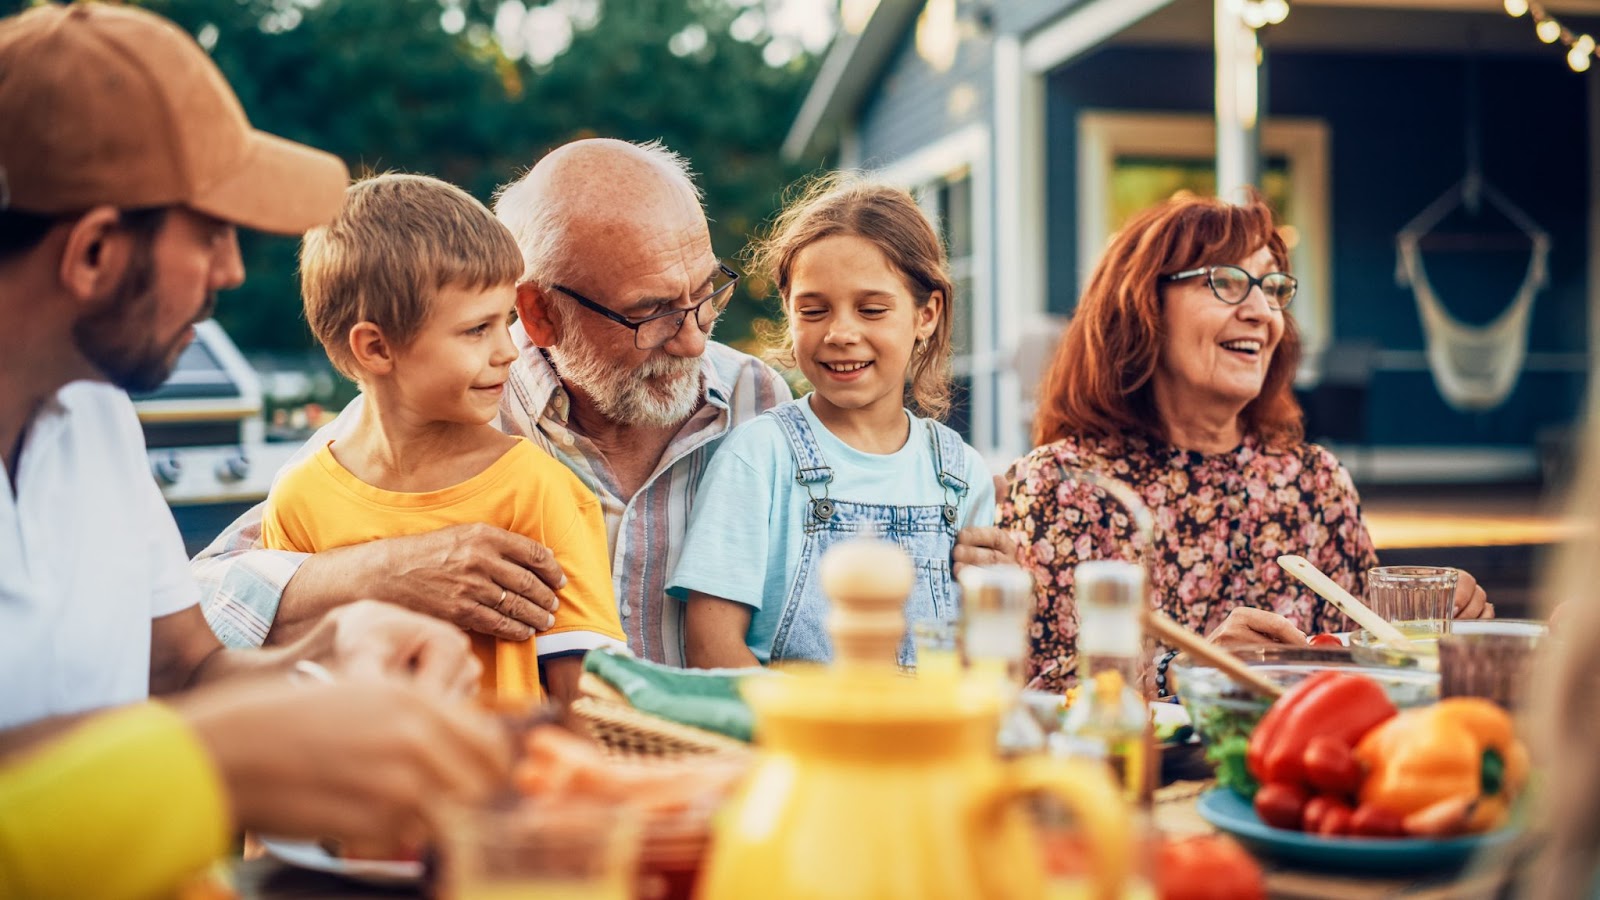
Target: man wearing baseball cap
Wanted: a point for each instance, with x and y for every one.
(126, 163)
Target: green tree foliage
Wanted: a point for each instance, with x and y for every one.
(425, 86)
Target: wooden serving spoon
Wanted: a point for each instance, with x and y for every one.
(1157, 623)
(1359, 612)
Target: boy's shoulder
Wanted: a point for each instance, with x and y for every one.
(305, 478)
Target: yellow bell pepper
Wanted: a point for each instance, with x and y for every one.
(1451, 767)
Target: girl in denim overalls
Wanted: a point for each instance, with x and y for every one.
(866, 294)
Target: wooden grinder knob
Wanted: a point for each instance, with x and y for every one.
(868, 581)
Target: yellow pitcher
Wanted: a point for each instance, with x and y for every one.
(875, 785)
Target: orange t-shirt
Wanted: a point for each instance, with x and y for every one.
(320, 505)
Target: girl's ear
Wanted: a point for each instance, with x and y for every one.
(372, 351)
(533, 311)
(928, 315)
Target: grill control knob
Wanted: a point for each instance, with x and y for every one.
(167, 470)
(233, 468)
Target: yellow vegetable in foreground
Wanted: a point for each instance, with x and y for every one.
(1449, 768)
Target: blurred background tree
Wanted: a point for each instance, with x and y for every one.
(475, 91)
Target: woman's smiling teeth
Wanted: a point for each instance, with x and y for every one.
(1251, 347)
(843, 367)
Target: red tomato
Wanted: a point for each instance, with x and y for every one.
(1375, 821)
(1325, 640)
(1320, 809)
(1212, 867)
(1335, 821)
(1280, 805)
(1331, 766)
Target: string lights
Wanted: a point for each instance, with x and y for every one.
(1580, 47)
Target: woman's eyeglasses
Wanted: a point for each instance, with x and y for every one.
(1232, 284)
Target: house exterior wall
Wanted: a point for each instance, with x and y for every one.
(1397, 131)
(914, 104)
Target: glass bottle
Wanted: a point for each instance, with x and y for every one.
(1109, 717)
(996, 606)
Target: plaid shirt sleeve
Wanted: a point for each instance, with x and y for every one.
(241, 583)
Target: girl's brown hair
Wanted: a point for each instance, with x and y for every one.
(1099, 382)
(845, 204)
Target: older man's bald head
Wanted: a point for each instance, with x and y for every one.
(594, 193)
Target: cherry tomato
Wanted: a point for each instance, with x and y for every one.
(1324, 810)
(1335, 821)
(1212, 867)
(1375, 821)
(1331, 766)
(1325, 640)
(1280, 805)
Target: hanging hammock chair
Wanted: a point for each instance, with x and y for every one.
(1474, 366)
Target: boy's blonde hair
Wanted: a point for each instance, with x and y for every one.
(398, 240)
(844, 203)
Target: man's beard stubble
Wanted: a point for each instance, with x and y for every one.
(119, 338)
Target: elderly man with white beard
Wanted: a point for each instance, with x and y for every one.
(618, 378)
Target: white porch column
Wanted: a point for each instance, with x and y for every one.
(1020, 217)
(1238, 101)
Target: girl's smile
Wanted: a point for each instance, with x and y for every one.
(855, 324)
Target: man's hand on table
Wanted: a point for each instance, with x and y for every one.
(1471, 601)
(361, 761)
(372, 641)
(1246, 626)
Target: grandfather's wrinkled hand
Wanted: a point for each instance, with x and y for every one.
(368, 640)
(481, 578)
(1246, 626)
(368, 761)
(1471, 600)
(983, 546)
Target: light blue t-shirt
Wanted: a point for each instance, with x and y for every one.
(745, 532)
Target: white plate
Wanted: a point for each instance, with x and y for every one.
(311, 855)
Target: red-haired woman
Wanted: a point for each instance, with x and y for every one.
(1175, 377)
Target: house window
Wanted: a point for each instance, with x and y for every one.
(1129, 161)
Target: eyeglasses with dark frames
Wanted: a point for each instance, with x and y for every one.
(1231, 284)
(651, 332)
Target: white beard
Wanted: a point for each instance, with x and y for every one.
(664, 391)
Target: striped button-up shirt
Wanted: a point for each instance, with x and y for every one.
(242, 584)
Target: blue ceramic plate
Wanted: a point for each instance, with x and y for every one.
(1232, 814)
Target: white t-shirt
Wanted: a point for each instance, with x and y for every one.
(89, 554)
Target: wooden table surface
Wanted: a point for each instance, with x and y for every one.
(1175, 815)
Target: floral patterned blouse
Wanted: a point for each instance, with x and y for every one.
(1221, 522)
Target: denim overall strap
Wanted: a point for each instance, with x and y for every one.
(810, 468)
(949, 454)
(926, 533)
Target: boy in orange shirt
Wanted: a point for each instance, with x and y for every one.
(411, 292)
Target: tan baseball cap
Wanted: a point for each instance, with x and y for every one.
(113, 105)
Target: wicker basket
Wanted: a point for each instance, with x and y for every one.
(625, 731)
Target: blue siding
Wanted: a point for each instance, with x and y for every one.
(1022, 16)
(1397, 142)
(910, 107)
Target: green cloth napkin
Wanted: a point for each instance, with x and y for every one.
(703, 698)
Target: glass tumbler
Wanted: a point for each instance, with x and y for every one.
(1418, 600)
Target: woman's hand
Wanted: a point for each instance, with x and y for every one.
(1471, 601)
(1246, 626)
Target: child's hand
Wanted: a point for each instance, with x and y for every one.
(983, 546)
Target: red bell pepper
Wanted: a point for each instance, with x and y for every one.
(1338, 706)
